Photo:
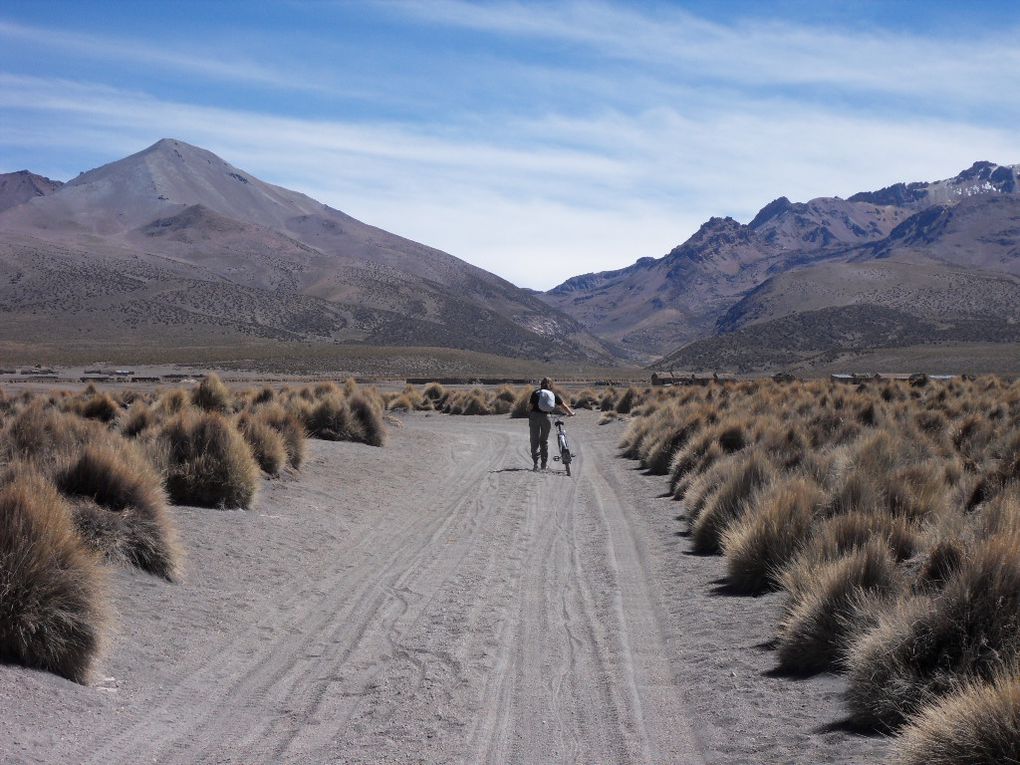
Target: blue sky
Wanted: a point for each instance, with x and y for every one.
(536, 140)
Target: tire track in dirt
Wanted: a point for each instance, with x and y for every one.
(572, 689)
(253, 678)
(433, 601)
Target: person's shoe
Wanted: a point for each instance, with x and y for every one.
(535, 467)
(543, 466)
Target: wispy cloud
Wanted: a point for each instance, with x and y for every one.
(758, 53)
(541, 161)
(585, 194)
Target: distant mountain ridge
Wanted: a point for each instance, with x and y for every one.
(962, 235)
(174, 244)
(18, 187)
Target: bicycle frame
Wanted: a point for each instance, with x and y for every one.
(564, 446)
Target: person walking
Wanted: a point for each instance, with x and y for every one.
(543, 402)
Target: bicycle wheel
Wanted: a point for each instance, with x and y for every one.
(565, 455)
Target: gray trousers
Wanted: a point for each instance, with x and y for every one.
(539, 423)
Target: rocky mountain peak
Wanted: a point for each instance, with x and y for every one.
(772, 210)
(23, 185)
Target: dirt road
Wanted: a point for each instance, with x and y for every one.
(435, 601)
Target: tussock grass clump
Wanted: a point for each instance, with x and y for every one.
(825, 603)
(212, 395)
(892, 520)
(402, 403)
(209, 464)
(52, 590)
(265, 396)
(767, 538)
(39, 430)
(969, 632)
(980, 725)
(521, 405)
(289, 427)
(266, 443)
(627, 401)
(139, 418)
(608, 401)
(120, 508)
(434, 392)
(749, 473)
(369, 418)
(174, 401)
(331, 420)
(99, 407)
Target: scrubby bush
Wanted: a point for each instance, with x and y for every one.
(979, 725)
(119, 506)
(99, 407)
(765, 540)
(826, 601)
(174, 401)
(289, 427)
(331, 420)
(138, 419)
(266, 443)
(970, 631)
(208, 462)
(626, 402)
(728, 502)
(52, 613)
(212, 395)
(367, 414)
(40, 430)
(434, 392)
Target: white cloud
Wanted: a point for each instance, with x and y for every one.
(628, 163)
(757, 53)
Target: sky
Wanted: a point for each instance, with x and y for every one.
(537, 140)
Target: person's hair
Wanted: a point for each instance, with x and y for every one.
(546, 382)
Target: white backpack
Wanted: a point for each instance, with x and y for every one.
(546, 400)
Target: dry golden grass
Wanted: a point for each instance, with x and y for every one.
(331, 420)
(52, 590)
(119, 506)
(979, 725)
(208, 463)
(890, 514)
(289, 427)
(212, 395)
(266, 443)
(367, 412)
(729, 501)
(100, 406)
(969, 631)
(816, 628)
(139, 418)
(765, 540)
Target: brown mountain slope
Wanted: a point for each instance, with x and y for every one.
(714, 280)
(654, 305)
(943, 263)
(812, 339)
(249, 254)
(21, 186)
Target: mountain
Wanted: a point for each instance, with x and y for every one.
(175, 245)
(946, 250)
(655, 305)
(17, 188)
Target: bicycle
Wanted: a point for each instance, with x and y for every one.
(561, 440)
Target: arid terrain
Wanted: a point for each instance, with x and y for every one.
(436, 601)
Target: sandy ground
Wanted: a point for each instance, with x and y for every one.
(436, 601)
